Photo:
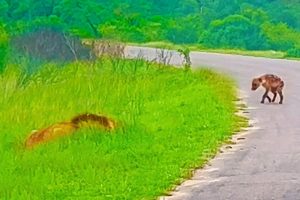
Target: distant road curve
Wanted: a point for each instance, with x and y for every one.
(266, 165)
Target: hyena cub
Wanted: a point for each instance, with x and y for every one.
(271, 83)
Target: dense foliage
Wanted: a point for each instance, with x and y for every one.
(243, 24)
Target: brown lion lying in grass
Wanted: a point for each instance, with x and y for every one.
(67, 128)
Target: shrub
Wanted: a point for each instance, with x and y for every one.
(294, 52)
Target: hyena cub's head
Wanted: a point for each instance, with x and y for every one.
(256, 83)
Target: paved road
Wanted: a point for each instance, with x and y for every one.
(266, 165)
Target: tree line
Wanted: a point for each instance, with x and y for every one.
(239, 24)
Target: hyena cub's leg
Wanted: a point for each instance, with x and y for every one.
(275, 95)
(279, 90)
(265, 96)
(281, 96)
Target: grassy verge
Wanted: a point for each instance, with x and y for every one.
(172, 121)
(267, 54)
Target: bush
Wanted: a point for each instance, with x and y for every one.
(294, 52)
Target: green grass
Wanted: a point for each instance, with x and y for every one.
(172, 122)
(267, 54)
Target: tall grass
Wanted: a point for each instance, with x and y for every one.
(170, 121)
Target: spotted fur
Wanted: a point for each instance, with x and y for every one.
(271, 83)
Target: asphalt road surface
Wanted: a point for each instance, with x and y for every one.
(266, 164)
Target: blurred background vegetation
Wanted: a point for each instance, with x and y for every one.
(38, 27)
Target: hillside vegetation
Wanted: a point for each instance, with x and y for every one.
(238, 24)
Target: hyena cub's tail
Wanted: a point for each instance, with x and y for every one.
(281, 85)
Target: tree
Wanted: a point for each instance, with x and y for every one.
(235, 31)
(280, 36)
(185, 30)
(82, 17)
